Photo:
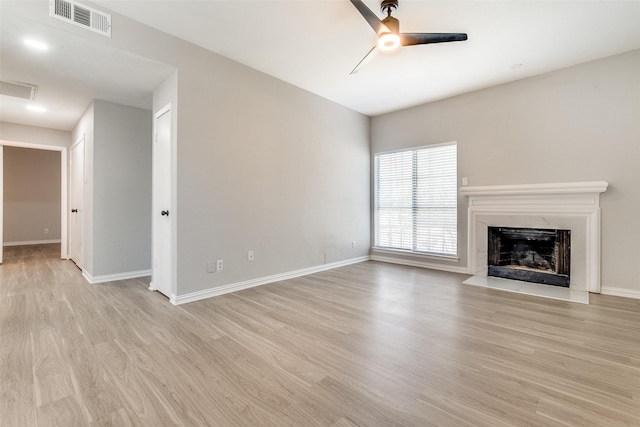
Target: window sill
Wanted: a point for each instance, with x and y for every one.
(418, 255)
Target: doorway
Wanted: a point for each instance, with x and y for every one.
(63, 190)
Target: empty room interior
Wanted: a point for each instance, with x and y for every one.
(319, 213)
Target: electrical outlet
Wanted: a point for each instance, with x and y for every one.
(220, 265)
(465, 181)
(354, 244)
(250, 256)
(211, 267)
(46, 231)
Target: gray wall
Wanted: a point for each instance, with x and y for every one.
(261, 165)
(122, 188)
(31, 195)
(268, 167)
(577, 124)
(117, 228)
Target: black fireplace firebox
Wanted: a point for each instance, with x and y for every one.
(530, 254)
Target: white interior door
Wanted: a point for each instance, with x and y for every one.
(162, 212)
(76, 200)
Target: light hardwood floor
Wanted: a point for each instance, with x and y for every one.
(366, 345)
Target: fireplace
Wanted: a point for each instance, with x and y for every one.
(529, 254)
(571, 206)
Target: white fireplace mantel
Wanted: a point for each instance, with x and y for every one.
(594, 187)
(574, 206)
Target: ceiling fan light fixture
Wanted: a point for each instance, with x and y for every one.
(388, 41)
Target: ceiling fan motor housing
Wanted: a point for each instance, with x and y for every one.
(392, 24)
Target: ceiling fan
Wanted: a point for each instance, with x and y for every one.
(389, 35)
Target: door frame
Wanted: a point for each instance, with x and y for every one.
(64, 182)
(155, 208)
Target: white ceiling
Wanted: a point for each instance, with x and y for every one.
(315, 44)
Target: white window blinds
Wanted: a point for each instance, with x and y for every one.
(416, 200)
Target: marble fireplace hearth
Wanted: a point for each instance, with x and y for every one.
(571, 206)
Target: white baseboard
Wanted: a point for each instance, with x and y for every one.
(113, 277)
(234, 287)
(422, 264)
(31, 242)
(620, 292)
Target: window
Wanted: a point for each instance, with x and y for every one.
(416, 200)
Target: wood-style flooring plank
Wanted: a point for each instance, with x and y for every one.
(369, 344)
(64, 412)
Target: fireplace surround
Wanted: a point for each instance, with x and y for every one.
(564, 206)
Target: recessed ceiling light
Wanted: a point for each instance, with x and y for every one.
(36, 44)
(36, 108)
(516, 66)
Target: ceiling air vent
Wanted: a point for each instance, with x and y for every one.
(18, 89)
(81, 15)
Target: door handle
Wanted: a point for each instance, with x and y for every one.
(74, 210)
(164, 213)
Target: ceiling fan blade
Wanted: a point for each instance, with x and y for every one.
(368, 57)
(370, 17)
(410, 39)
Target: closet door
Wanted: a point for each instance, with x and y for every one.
(163, 213)
(76, 203)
